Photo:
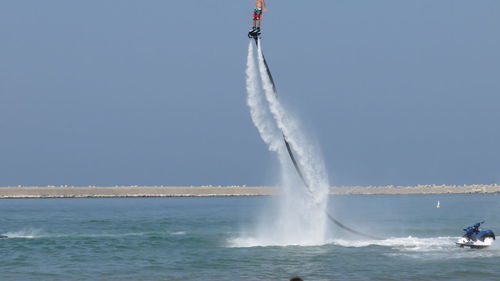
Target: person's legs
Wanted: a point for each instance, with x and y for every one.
(255, 18)
(258, 19)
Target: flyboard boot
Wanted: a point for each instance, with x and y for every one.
(254, 33)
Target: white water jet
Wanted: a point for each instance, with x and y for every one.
(261, 117)
(299, 217)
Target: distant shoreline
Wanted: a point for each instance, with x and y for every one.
(211, 191)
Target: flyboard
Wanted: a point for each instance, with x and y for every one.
(257, 38)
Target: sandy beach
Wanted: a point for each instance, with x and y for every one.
(200, 191)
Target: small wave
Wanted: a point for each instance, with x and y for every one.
(110, 235)
(424, 248)
(25, 233)
(120, 235)
(36, 233)
(248, 242)
(404, 242)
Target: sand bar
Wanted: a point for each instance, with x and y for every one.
(206, 191)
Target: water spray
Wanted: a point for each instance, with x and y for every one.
(283, 123)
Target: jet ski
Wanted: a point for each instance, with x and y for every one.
(3, 236)
(476, 238)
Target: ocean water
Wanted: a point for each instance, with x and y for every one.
(201, 239)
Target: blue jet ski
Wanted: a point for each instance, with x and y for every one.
(476, 238)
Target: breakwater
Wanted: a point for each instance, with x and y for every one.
(200, 191)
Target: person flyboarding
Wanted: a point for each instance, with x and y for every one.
(260, 6)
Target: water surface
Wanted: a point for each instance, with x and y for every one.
(197, 239)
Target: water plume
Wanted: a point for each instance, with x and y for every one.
(299, 215)
(261, 117)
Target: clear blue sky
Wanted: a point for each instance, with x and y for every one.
(153, 92)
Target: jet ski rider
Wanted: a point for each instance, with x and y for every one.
(476, 227)
(471, 230)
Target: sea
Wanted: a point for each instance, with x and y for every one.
(200, 239)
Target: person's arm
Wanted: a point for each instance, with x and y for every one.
(265, 6)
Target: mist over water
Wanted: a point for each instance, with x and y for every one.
(298, 215)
